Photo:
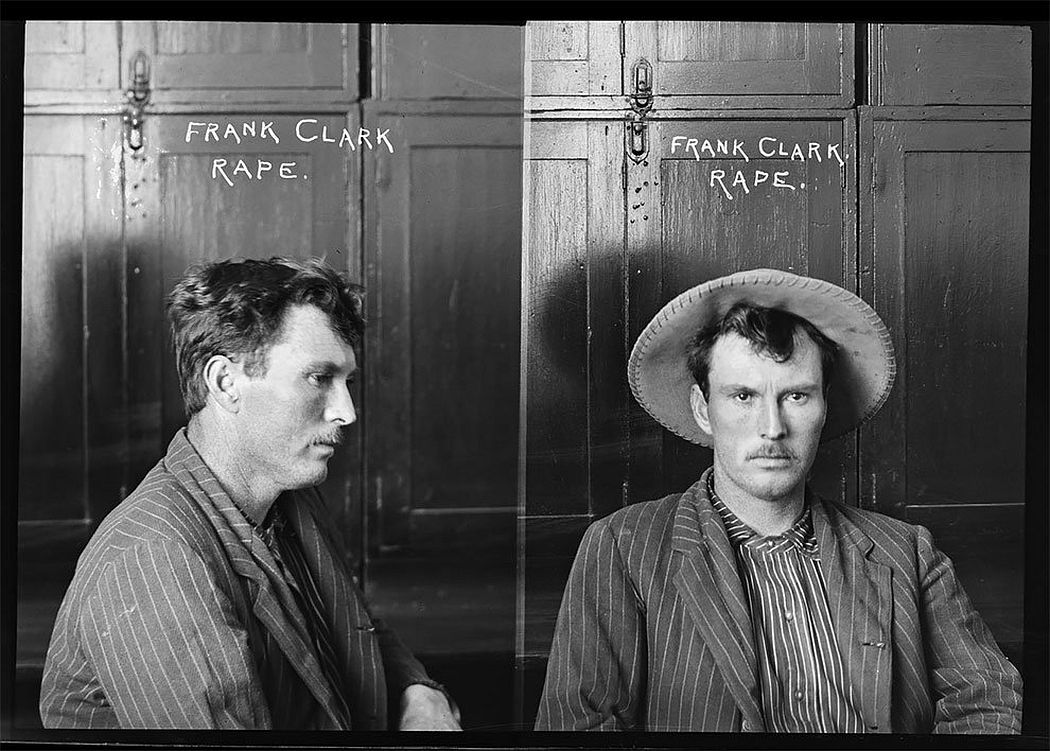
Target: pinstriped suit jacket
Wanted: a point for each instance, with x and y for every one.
(178, 617)
(654, 631)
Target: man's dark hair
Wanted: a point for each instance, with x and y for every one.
(771, 332)
(236, 308)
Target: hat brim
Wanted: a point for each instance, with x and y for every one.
(660, 379)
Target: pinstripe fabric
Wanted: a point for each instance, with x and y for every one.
(178, 617)
(289, 556)
(802, 676)
(654, 631)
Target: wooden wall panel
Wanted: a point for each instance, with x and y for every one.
(948, 252)
(573, 58)
(443, 233)
(940, 64)
(254, 63)
(463, 330)
(743, 64)
(70, 56)
(71, 417)
(415, 62)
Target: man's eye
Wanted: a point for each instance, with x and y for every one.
(742, 396)
(797, 396)
(320, 379)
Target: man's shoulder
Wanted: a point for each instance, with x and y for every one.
(643, 515)
(159, 512)
(893, 535)
(642, 532)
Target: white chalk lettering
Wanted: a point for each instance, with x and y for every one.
(778, 181)
(299, 132)
(362, 137)
(381, 138)
(738, 148)
(212, 130)
(267, 127)
(285, 170)
(231, 131)
(242, 169)
(762, 148)
(741, 181)
(217, 166)
(190, 132)
(719, 175)
(834, 149)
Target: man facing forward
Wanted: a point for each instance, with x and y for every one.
(215, 595)
(747, 603)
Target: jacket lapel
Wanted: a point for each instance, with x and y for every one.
(860, 595)
(273, 604)
(353, 634)
(709, 584)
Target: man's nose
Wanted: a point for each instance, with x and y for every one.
(340, 409)
(773, 427)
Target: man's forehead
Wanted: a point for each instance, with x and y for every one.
(309, 330)
(733, 352)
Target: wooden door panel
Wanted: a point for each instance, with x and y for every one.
(71, 380)
(743, 64)
(941, 64)
(70, 56)
(948, 254)
(685, 227)
(183, 211)
(575, 397)
(225, 62)
(443, 282)
(572, 58)
(414, 61)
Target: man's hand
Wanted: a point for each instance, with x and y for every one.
(426, 708)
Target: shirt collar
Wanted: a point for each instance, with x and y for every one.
(800, 535)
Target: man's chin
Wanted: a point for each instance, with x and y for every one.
(772, 486)
(311, 476)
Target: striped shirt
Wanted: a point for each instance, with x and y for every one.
(802, 676)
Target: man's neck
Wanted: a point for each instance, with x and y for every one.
(219, 453)
(766, 517)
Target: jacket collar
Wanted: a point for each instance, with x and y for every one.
(710, 586)
(274, 604)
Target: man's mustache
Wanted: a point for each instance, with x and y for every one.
(332, 439)
(770, 452)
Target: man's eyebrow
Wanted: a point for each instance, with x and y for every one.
(734, 387)
(323, 366)
(801, 386)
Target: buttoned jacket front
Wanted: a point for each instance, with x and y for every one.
(178, 617)
(654, 631)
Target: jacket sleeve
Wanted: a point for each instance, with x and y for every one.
(167, 645)
(975, 688)
(597, 662)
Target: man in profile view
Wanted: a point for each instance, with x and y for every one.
(216, 594)
(747, 603)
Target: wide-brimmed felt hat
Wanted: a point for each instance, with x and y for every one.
(864, 371)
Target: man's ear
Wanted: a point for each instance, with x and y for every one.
(222, 377)
(699, 404)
